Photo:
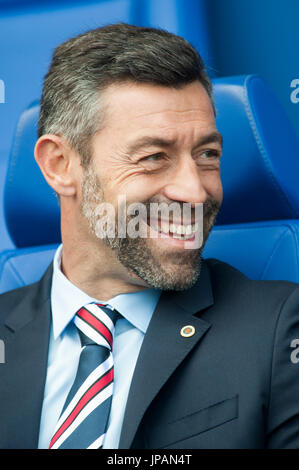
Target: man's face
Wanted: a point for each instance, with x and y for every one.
(158, 144)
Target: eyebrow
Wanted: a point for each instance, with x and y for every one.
(147, 141)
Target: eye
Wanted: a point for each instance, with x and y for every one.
(155, 157)
(208, 154)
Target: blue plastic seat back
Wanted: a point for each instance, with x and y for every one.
(31, 206)
(260, 164)
(261, 250)
(24, 266)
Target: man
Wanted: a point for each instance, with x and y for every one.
(200, 353)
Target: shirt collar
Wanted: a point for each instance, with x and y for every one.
(137, 307)
(67, 299)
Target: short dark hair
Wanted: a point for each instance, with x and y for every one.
(85, 65)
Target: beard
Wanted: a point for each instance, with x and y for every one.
(159, 268)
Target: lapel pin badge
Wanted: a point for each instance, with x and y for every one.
(187, 331)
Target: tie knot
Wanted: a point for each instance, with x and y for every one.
(96, 324)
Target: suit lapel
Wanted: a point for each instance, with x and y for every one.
(164, 348)
(26, 339)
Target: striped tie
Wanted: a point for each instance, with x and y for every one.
(83, 420)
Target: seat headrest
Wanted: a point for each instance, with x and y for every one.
(31, 206)
(260, 165)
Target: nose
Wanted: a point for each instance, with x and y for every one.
(185, 184)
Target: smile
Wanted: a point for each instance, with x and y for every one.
(181, 232)
(176, 231)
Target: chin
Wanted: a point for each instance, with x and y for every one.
(172, 278)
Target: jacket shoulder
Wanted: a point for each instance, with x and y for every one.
(31, 295)
(9, 300)
(259, 297)
(227, 274)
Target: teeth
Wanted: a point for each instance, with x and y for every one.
(178, 229)
(188, 230)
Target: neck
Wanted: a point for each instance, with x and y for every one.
(97, 272)
(90, 264)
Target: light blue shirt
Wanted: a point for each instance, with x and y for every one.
(65, 347)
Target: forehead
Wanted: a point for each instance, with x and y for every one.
(131, 106)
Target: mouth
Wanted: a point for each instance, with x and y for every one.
(176, 234)
(177, 231)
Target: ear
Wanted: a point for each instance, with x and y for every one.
(58, 163)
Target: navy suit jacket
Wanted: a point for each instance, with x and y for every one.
(234, 384)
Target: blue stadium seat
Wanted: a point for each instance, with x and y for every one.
(260, 162)
(258, 226)
(22, 267)
(27, 193)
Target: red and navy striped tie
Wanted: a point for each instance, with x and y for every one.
(84, 418)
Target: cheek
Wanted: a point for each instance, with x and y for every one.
(141, 189)
(138, 188)
(212, 184)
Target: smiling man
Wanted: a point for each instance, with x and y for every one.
(151, 153)
(136, 341)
